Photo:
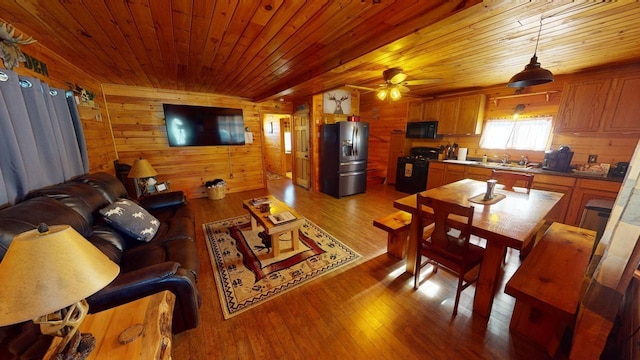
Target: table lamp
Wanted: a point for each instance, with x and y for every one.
(142, 170)
(45, 276)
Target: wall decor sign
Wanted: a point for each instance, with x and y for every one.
(337, 102)
(36, 65)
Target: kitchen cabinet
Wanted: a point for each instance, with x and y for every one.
(478, 173)
(398, 146)
(414, 111)
(582, 105)
(454, 172)
(435, 176)
(448, 115)
(585, 190)
(559, 184)
(577, 191)
(430, 110)
(471, 114)
(623, 105)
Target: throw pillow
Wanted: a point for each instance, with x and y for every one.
(130, 218)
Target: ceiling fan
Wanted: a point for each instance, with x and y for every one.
(395, 85)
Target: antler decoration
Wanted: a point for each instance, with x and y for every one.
(9, 50)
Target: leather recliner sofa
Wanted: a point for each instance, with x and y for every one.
(169, 261)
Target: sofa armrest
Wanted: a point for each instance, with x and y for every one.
(137, 284)
(160, 200)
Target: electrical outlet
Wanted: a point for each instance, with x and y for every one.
(593, 159)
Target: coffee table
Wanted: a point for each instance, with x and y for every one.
(259, 217)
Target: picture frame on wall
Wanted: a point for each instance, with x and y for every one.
(336, 102)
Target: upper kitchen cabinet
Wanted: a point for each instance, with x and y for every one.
(623, 105)
(415, 111)
(582, 105)
(430, 110)
(471, 114)
(448, 109)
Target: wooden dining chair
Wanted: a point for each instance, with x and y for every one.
(447, 243)
(512, 179)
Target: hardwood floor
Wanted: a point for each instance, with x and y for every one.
(368, 310)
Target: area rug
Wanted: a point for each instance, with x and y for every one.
(246, 274)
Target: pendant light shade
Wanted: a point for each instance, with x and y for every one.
(533, 73)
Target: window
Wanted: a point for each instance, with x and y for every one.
(520, 134)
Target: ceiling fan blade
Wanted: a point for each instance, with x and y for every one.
(423, 81)
(360, 87)
(403, 89)
(398, 78)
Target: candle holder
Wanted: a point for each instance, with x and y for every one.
(491, 185)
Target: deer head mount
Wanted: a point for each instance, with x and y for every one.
(9, 50)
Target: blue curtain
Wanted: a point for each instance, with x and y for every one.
(42, 140)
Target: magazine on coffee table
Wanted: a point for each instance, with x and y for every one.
(260, 200)
(282, 217)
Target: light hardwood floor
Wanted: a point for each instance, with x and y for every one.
(367, 310)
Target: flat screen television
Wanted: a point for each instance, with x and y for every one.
(189, 125)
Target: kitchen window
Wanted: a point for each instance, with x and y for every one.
(530, 133)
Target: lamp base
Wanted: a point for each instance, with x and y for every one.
(79, 347)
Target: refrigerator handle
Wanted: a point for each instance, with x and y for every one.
(356, 141)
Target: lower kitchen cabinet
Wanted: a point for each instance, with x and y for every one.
(454, 173)
(435, 176)
(577, 191)
(585, 190)
(559, 184)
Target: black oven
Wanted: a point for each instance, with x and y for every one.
(422, 130)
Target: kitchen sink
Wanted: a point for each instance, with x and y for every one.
(504, 165)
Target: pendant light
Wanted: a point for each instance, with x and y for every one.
(532, 74)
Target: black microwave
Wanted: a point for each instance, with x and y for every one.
(422, 130)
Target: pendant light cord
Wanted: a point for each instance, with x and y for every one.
(535, 52)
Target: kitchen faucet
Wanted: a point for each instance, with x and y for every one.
(505, 158)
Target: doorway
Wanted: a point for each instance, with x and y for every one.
(278, 152)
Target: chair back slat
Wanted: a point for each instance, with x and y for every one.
(511, 179)
(443, 223)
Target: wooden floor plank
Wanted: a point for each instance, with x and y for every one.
(367, 310)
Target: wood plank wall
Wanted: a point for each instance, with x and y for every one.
(64, 75)
(273, 150)
(139, 130)
(610, 148)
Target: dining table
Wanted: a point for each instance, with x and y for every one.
(509, 220)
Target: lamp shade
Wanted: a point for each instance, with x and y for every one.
(43, 272)
(141, 169)
(533, 74)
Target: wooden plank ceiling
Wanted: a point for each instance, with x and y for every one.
(286, 49)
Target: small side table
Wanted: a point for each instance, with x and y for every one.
(154, 312)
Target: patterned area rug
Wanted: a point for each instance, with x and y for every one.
(247, 276)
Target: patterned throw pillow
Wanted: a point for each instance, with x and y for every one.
(130, 218)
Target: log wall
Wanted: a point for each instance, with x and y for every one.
(139, 130)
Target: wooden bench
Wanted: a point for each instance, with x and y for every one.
(397, 227)
(548, 284)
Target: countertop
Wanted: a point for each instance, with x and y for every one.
(533, 170)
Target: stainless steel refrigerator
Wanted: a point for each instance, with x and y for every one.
(343, 158)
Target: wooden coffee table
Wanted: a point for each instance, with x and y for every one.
(261, 218)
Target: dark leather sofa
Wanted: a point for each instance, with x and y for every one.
(169, 261)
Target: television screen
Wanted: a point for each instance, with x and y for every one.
(189, 125)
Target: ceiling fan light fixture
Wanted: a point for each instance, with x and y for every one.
(533, 73)
(382, 94)
(395, 94)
